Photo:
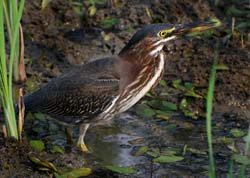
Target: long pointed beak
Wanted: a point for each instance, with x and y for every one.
(185, 29)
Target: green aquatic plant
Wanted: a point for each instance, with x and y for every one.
(239, 158)
(209, 108)
(12, 11)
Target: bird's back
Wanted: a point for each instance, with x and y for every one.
(78, 95)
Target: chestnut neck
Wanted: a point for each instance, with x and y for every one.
(133, 59)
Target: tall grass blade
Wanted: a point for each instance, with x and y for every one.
(209, 111)
(242, 173)
(14, 18)
(7, 19)
(3, 69)
(231, 169)
(6, 71)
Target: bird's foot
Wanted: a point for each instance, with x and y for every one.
(83, 147)
(80, 143)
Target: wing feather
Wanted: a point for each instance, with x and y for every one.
(83, 92)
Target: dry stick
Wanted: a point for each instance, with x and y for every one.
(22, 78)
(22, 73)
(21, 108)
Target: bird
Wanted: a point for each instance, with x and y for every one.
(93, 93)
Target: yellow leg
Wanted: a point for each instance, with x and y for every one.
(80, 142)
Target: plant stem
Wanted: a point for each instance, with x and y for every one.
(6, 72)
(209, 116)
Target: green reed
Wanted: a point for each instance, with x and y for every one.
(10, 15)
(209, 107)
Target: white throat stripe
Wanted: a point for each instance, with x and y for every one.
(159, 47)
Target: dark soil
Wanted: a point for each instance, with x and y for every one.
(58, 38)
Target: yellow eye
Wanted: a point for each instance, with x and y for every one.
(162, 33)
(166, 32)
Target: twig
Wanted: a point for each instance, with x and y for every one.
(21, 109)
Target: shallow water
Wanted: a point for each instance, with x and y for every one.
(116, 145)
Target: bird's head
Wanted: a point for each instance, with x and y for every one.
(151, 39)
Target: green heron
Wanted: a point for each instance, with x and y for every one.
(95, 92)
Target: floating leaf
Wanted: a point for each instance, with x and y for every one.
(141, 151)
(92, 10)
(188, 85)
(186, 111)
(40, 116)
(232, 146)
(223, 140)
(163, 83)
(75, 173)
(171, 127)
(163, 115)
(184, 103)
(177, 84)
(149, 94)
(168, 106)
(187, 88)
(168, 152)
(197, 151)
(78, 9)
(154, 152)
(130, 29)
(37, 145)
(155, 103)
(56, 149)
(122, 170)
(185, 124)
(109, 22)
(241, 159)
(43, 164)
(168, 159)
(184, 150)
(144, 110)
(237, 132)
(193, 94)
